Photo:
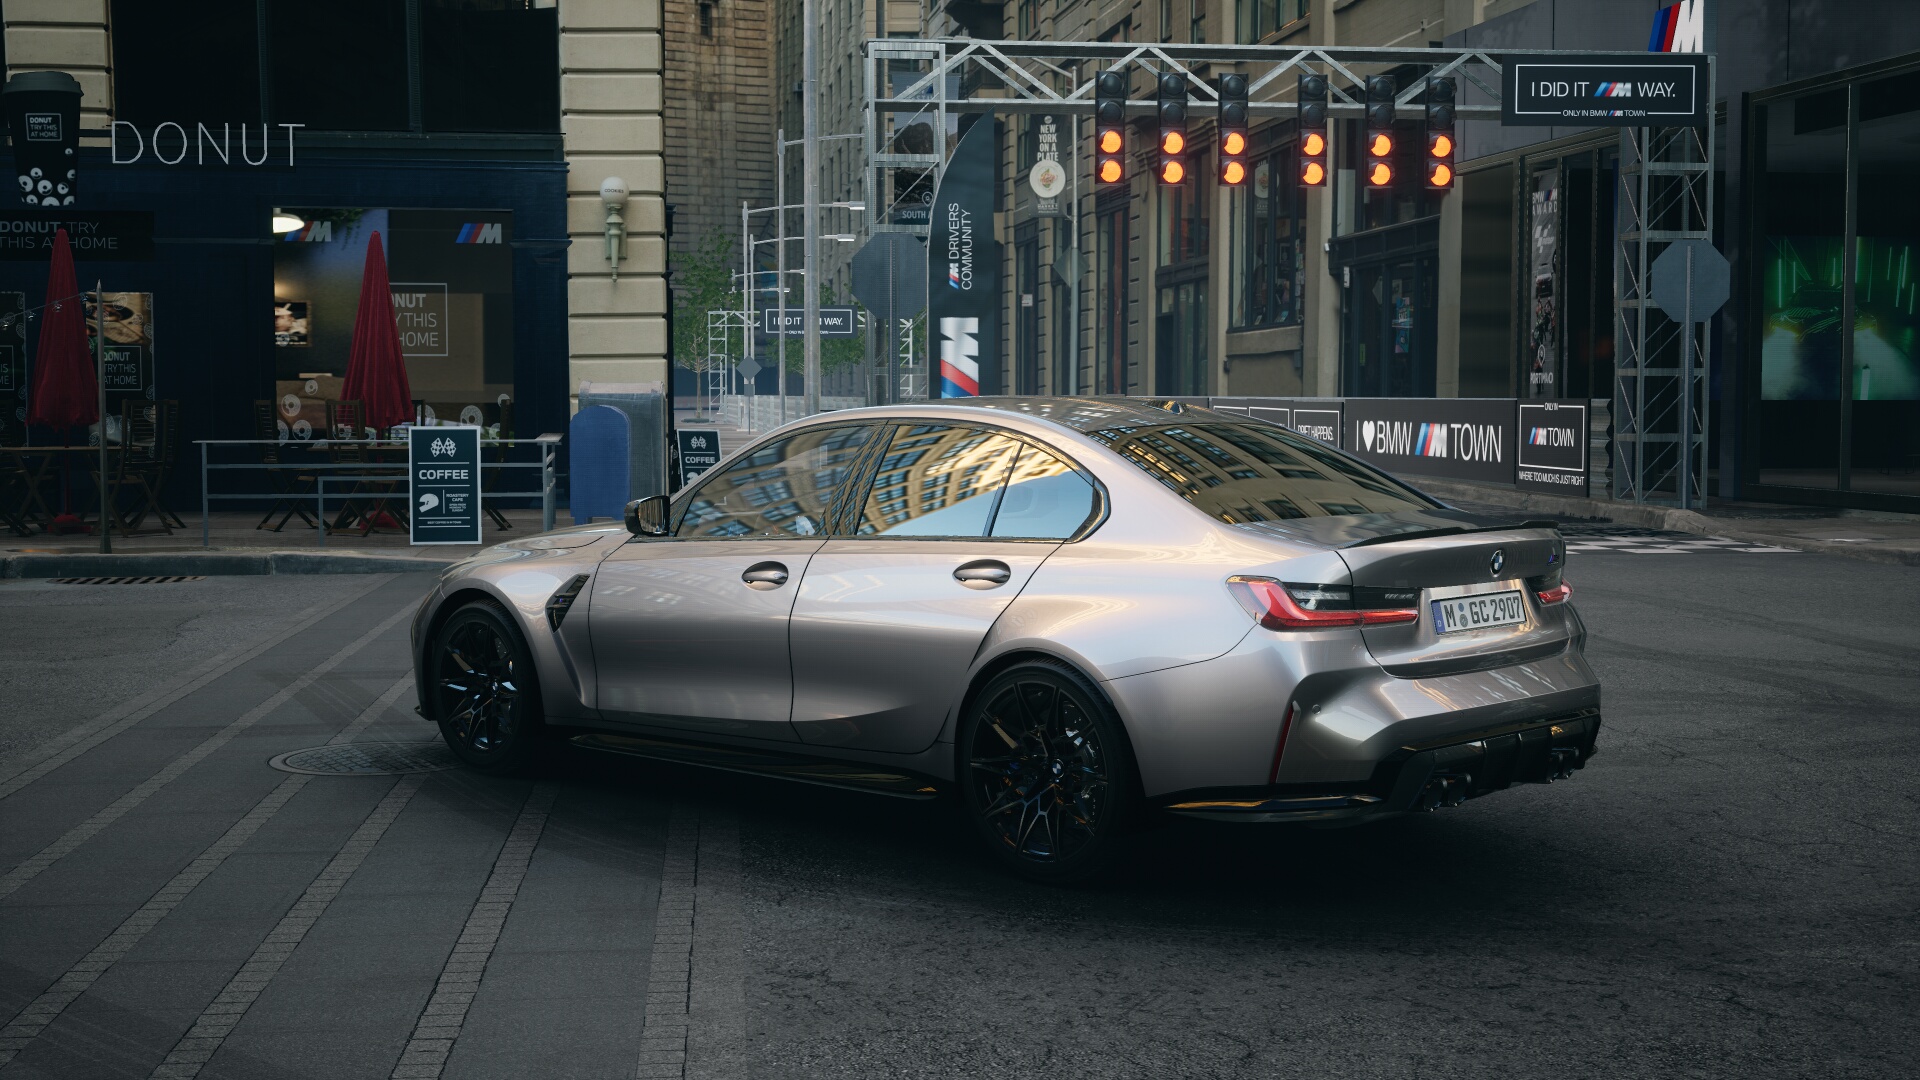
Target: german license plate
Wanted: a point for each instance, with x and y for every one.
(1478, 612)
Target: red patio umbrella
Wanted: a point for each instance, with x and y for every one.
(64, 393)
(376, 372)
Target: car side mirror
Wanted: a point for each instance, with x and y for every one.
(648, 516)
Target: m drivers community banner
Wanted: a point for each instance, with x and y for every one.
(963, 268)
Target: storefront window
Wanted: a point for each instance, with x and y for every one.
(451, 275)
(1269, 228)
(1848, 395)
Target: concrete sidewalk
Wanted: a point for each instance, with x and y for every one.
(1856, 534)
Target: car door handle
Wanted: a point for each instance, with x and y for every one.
(766, 575)
(984, 574)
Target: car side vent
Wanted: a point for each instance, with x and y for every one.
(558, 604)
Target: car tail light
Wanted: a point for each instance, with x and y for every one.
(1285, 606)
(1555, 595)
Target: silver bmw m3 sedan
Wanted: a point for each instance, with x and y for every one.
(1071, 614)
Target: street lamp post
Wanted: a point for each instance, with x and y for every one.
(810, 194)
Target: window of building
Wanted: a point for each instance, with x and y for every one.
(1026, 309)
(1060, 310)
(346, 65)
(1024, 20)
(706, 20)
(1112, 267)
(1183, 215)
(339, 66)
(1197, 21)
(1166, 20)
(478, 71)
(1850, 395)
(1268, 266)
(1258, 18)
(196, 61)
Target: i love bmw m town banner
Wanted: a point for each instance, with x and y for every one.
(963, 268)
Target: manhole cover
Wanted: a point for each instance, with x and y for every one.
(368, 759)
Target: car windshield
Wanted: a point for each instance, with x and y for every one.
(1249, 472)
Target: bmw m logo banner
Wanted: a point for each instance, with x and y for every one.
(443, 472)
(963, 268)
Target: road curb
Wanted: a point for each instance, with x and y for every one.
(212, 563)
(1670, 518)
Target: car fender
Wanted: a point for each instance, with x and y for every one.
(521, 576)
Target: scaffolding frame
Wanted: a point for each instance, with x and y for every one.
(1666, 185)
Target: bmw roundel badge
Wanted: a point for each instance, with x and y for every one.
(1499, 560)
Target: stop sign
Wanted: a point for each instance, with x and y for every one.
(1670, 282)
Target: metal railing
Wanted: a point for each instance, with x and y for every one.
(323, 472)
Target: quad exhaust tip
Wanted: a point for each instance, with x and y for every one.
(1445, 791)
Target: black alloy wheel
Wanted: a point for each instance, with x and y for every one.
(484, 695)
(1048, 776)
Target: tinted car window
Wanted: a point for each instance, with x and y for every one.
(1242, 473)
(782, 489)
(1046, 499)
(937, 480)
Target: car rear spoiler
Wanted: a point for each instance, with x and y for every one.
(1453, 530)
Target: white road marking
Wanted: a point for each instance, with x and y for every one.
(79, 740)
(433, 1036)
(45, 1009)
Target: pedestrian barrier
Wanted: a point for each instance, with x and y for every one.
(340, 473)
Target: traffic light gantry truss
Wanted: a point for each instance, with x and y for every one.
(1665, 171)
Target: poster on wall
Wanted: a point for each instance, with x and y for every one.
(1543, 338)
(291, 323)
(1045, 175)
(129, 345)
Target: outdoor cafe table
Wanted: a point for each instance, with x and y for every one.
(31, 465)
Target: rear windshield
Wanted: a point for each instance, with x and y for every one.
(1243, 473)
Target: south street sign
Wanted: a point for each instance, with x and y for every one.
(834, 322)
(1605, 90)
(443, 469)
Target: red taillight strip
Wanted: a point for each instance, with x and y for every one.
(1286, 726)
(1555, 595)
(1269, 601)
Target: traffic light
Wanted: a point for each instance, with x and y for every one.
(1440, 138)
(1109, 128)
(1313, 130)
(1377, 163)
(1233, 129)
(1173, 128)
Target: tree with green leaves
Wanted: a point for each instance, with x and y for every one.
(703, 281)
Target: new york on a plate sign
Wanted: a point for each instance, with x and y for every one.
(1605, 90)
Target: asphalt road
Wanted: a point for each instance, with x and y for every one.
(1729, 889)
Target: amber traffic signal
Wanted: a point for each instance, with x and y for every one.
(1377, 162)
(1233, 129)
(1440, 138)
(1173, 128)
(1109, 128)
(1313, 130)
